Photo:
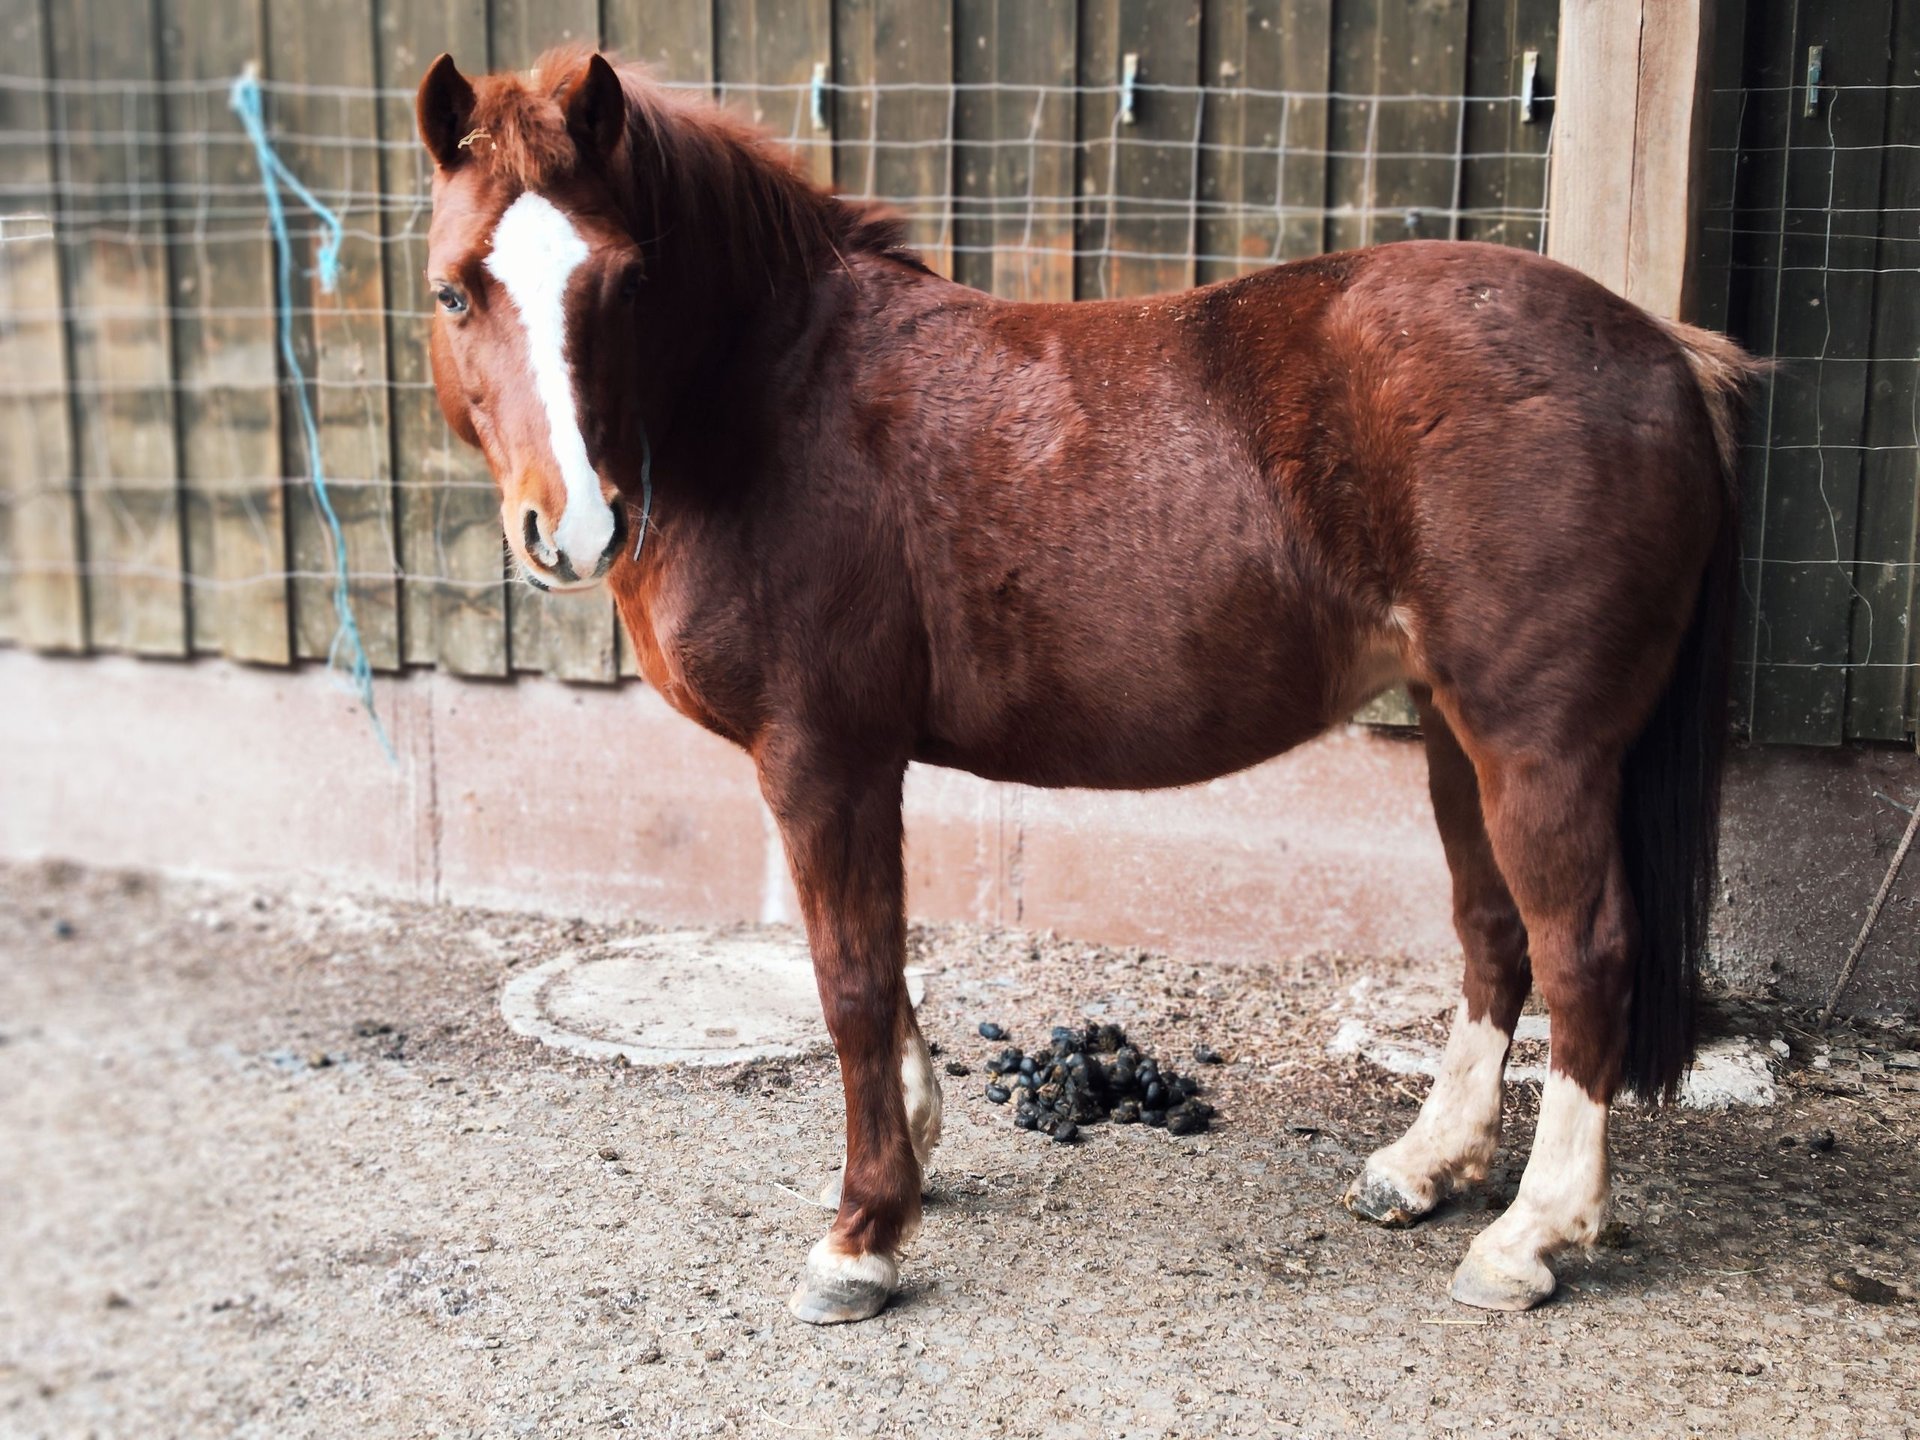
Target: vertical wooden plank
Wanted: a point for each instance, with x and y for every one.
(1808, 507)
(765, 58)
(1593, 127)
(519, 30)
(116, 280)
(1504, 190)
(1490, 121)
(448, 507)
(1764, 69)
(1670, 128)
(1014, 164)
(1629, 144)
(673, 37)
(1536, 26)
(1418, 173)
(894, 117)
(1881, 699)
(1097, 154)
(676, 40)
(1237, 225)
(224, 355)
(1306, 61)
(1352, 119)
(1263, 171)
(40, 548)
(324, 129)
(1137, 230)
(1726, 114)
(570, 637)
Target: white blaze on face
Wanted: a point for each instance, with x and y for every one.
(535, 252)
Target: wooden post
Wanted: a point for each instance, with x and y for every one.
(1629, 144)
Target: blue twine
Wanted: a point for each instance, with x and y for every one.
(244, 100)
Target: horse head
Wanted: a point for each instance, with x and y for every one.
(536, 277)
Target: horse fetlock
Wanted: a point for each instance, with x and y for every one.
(1408, 1178)
(837, 1287)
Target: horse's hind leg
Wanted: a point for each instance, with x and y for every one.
(843, 835)
(1452, 1141)
(1554, 826)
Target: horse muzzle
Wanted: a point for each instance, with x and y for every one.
(549, 567)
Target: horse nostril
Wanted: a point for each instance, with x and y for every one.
(617, 543)
(536, 544)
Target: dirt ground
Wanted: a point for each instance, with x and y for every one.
(271, 1165)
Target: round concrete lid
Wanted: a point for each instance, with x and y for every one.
(689, 997)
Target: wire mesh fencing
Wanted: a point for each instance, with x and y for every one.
(1816, 235)
(159, 486)
(160, 495)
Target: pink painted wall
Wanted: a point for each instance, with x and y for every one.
(603, 803)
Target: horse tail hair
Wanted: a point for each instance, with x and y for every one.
(1722, 371)
(1670, 793)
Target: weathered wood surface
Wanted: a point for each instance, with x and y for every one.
(766, 52)
(42, 603)
(1810, 302)
(224, 343)
(894, 125)
(341, 337)
(115, 272)
(1014, 168)
(447, 507)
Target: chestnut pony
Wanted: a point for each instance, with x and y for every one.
(855, 515)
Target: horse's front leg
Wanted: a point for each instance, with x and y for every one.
(842, 829)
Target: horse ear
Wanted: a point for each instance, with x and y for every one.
(596, 108)
(444, 110)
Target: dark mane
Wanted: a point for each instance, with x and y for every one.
(690, 165)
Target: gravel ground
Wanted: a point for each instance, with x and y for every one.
(272, 1165)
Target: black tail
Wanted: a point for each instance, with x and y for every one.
(1670, 798)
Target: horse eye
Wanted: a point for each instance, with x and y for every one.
(450, 299)
(630, 284)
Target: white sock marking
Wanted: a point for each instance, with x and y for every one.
(829, 1262)
(1453, 1138)
(922, 1089)
(1563, 1194)
(535, 252)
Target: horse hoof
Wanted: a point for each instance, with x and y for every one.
(1487, 1285)
(1372, 1196)
(837, 1289)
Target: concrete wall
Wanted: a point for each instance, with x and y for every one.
(604, 803)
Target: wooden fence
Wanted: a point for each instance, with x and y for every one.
(152, 496)
(153, 464)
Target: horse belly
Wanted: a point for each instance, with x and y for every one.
(1141, 706)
